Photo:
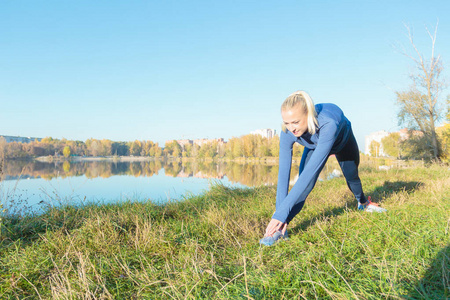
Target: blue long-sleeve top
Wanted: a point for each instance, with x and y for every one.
(330, 137)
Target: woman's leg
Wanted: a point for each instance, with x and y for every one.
(348, 159)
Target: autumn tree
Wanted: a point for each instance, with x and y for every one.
(106, 147)
(419, 105)
(172, 148)
(230, 147)
(176, 149)
(120, 148)
(208, 150)
(156, 150)
(3, 144)
(262, 148)
(76, 147)
(33, 149)
(221, 149)
(444, 136)
(135, 148)
(66, 151)
(415, 147)
(237, 150)
(392, 145)
(275, 146)
(374, 148)
(248, 145)
(94, 147)
(48, 145)
(187, 151)
(146, 148)
(195, 150)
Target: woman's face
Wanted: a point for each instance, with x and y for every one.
(295, 120)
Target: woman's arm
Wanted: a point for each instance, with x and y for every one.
(284, 166)
(327, 137)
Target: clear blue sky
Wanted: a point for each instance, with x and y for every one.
(160, 70)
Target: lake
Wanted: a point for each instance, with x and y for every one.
(31, 186)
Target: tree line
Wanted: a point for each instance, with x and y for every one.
(91, 147)
(246, 146)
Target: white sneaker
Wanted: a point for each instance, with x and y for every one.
(369, 206)
(270, 240)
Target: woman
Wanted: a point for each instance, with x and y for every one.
(323, 130)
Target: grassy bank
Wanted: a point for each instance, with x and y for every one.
(206, 247)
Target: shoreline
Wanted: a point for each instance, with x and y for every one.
(269, 161)
(94, 158)
(241, 160)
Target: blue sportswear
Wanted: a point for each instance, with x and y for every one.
(331, 136)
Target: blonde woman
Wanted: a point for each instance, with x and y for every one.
(323, 130)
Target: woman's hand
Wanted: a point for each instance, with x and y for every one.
(274, 226)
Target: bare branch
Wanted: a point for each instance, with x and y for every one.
(411, 40)
(433, 38)
(409, 36)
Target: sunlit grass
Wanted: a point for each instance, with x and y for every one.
(206, 247)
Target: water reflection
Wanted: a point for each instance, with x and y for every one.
(29, 186)
(247, 174)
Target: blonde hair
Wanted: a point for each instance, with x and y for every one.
(302, 98)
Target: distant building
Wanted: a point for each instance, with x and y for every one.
(201, 142)
(198, 142)
(405, 133)
(19, 139)
(379, 135)
(183, 143)
(266, 133)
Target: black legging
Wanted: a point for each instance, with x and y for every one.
(348, 159)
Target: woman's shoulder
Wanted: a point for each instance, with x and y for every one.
(327, 112)
(327, 107)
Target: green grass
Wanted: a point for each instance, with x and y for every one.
(206, 247)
